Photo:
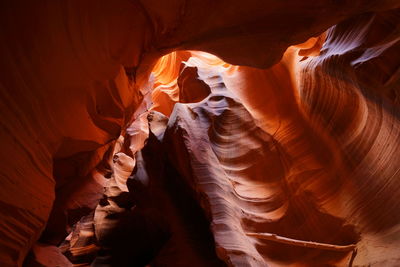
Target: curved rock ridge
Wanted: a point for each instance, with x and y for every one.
(271, 97)
(64, 99)
(73, 73)
(358, 107)
(168, 201)
(147, 221)
(177, 79)
(308, 98)
(166, 71)
(241, 176)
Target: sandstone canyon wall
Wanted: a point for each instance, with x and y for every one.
(295, 145)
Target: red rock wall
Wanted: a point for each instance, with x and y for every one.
(73, 73)
(64, 93)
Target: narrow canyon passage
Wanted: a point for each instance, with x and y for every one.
(199, 133)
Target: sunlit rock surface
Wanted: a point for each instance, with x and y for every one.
(359, 110)
(247, 182)
(77, 75)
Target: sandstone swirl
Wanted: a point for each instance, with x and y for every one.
(301, 148)
(242, 177)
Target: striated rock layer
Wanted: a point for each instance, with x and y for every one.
(359, 109)
(311, 156)
(247, 182)
(74, 75)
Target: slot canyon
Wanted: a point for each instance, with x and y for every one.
(200, 133)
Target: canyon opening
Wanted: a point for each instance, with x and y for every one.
(203, 133)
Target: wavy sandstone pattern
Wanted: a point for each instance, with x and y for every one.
(306, 148)
(242, 177)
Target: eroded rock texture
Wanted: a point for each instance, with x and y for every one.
(305, 149)
(367, 140)
(246, 183)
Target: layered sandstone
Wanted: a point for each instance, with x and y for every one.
(77, 75)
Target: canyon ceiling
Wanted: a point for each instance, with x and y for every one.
(200, 133)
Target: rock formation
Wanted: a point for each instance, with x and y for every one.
(277, 147)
